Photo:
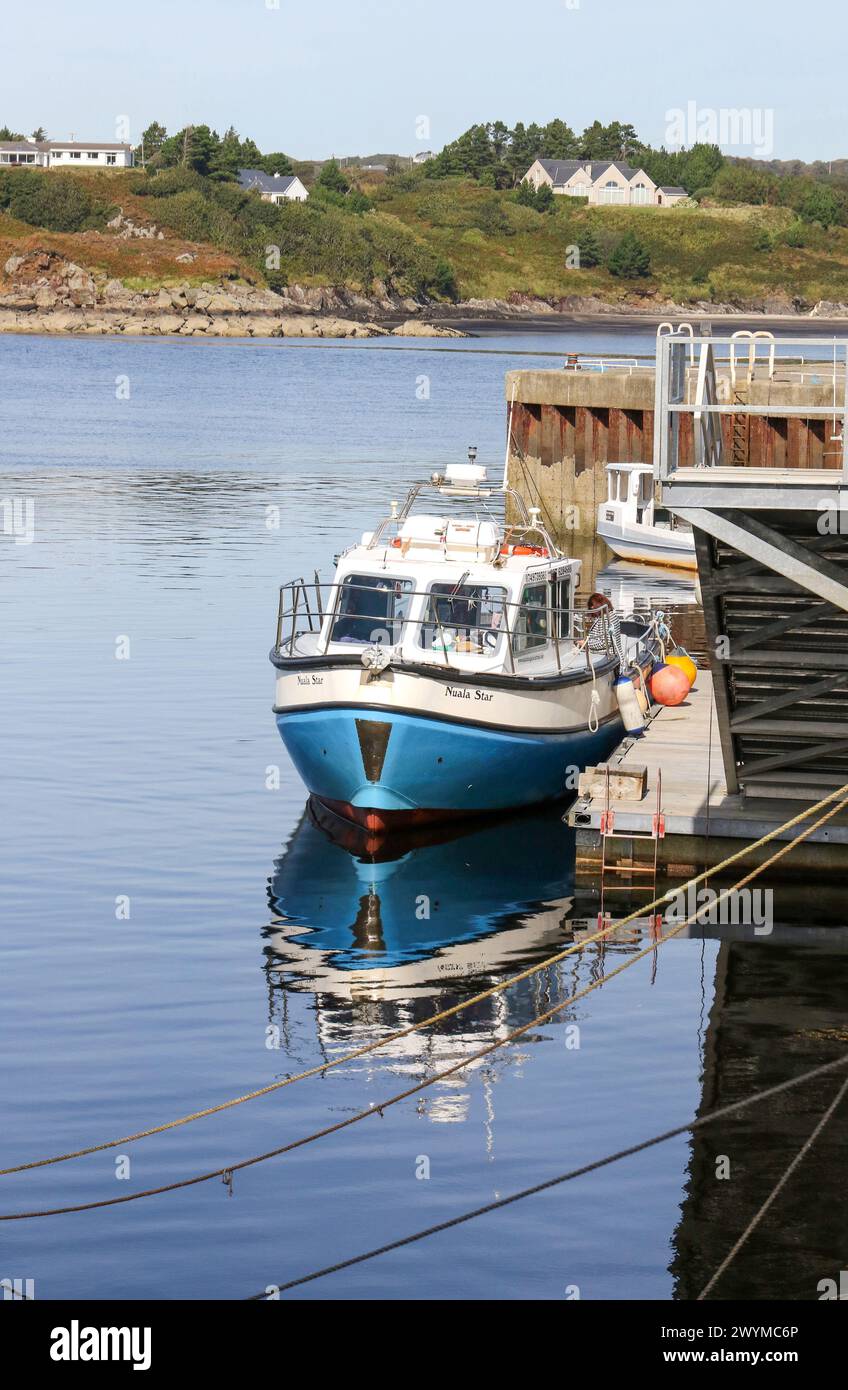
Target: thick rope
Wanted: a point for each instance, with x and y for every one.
(775, 1192)
(225, 1173)
(454, 1009)
(592, 1167)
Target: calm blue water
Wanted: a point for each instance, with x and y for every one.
(162, 908)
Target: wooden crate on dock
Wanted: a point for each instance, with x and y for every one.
(627, 781)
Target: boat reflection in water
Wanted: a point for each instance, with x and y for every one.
(385, 934)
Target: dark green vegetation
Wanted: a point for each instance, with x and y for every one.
(499, 246)
(498, 156)
(335, 238)
(60, 202)
(461, 225)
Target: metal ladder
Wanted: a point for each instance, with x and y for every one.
(608, 833)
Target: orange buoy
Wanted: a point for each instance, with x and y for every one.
(669, 685)
(681, 658)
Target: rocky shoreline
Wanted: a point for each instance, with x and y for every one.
(45, 292)
(49, 294)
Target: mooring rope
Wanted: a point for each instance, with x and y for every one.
(775, 1192)
(454, 1009)
(698, 1123)
(226, 1172)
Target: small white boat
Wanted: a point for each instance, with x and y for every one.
(634, 528)
(446, 670)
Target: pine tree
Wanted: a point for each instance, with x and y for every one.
(590, 251)
(630, 259)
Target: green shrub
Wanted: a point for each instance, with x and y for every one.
(796, 234)
(590, 251)
(59, 202)
(170, 181)
(491, 218)
(629, 259)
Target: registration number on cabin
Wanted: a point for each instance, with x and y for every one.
(463, 692)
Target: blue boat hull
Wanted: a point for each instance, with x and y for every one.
(380, 768)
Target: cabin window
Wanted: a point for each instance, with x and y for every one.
(562, 602)
(371, 608)
(531, 626)
(463, 618)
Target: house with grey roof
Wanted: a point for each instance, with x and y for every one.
(668, 194)
(601, 181)
(64, 154)
(273, 188)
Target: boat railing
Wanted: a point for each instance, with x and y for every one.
(313, 608)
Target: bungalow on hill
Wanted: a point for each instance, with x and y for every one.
(64, 154)
(274, 188)
(602, 182)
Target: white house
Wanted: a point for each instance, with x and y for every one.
(68, 154)
(602, 182)
(23, 152)
(274, 188)
(423, 156)
(94, 154)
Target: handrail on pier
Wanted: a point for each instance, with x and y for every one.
(670, 398)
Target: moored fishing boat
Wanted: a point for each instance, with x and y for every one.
(446, 669)
(631, 525)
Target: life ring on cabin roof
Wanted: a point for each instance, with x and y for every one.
(525, 550)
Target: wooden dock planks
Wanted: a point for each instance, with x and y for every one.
(684, 744)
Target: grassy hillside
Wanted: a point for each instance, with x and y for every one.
(138, 261)
(497, 246)
(434, 238)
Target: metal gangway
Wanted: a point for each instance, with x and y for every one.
(771, 538)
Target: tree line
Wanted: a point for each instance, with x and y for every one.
(500, 156)
(203, 150)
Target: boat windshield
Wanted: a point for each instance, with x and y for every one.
(371, 608)
(463, 618)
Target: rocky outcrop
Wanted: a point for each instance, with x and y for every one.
(124, 228)
(97, 321)
(46, 292)
(826, 309)
(414, 328)
(50, 294)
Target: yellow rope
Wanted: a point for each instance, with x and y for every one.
(227, 1172)
(454, 1009)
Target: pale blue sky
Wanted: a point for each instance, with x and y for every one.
(352, 76)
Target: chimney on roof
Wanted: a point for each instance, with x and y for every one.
(276, 173)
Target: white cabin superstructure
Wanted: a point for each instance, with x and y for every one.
(446, 669)
(634, 528)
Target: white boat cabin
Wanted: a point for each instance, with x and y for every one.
(630, 494)
(634, 527)
(465, 590)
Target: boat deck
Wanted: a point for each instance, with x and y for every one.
(683, 745)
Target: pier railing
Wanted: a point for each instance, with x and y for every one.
(799, 379)
(451, 624)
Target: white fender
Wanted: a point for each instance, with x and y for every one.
(628, 704)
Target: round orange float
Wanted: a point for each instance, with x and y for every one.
(669, 685)
(681, 658)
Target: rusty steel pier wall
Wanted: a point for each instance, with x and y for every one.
(568, 424)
